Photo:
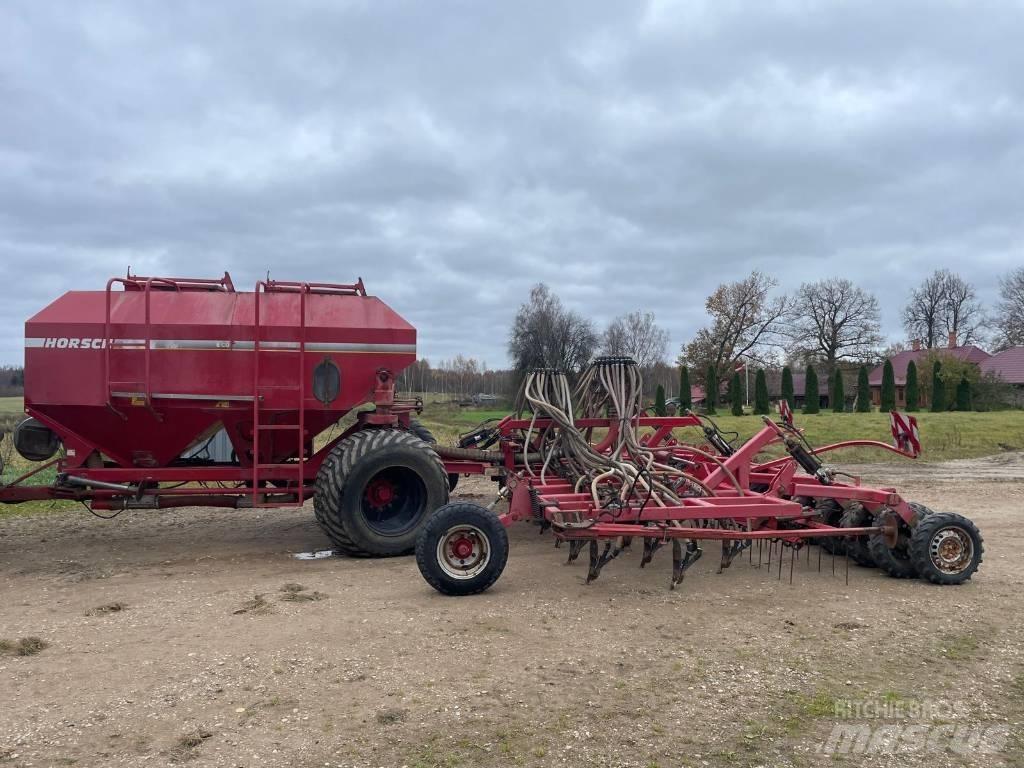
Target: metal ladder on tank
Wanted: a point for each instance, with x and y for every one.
(262, 347)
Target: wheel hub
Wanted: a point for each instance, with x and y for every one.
(951, 550)
(463, 551)
(462, 548)
(380, 492)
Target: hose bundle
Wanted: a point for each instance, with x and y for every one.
(628, 471)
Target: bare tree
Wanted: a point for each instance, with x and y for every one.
(1009, 318)
(546, 334)
(745, 321)
(965, 317)
(922, 316)
(638, 336)
(944, 304)
(834, 320)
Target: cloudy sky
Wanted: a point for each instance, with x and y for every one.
(453, 153)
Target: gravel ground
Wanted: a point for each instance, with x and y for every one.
(158, 652)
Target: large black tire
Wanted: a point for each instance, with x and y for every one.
(946, 548)
(894, 561)
(427, 436)
(856, 516)
(462, 549)
(376, 489)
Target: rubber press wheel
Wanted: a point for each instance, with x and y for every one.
(946, 548)
(462, 549)
(896, 561)
(376, 489)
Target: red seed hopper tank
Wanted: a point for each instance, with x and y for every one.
(132, 379)
(142, 374)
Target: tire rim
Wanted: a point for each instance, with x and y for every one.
(951, 550)
(463, 552)
(393, 501)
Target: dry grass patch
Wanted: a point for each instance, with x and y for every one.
(187, 745)
(103, 610)
(25, 646)
(296, 593)
(258, 606)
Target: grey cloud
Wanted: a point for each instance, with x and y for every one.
(454, 153)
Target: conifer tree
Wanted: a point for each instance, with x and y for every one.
(913, 391)
(711, 391)
(761, 403)
(787, 388)
(736, 394)
(812, 400)
(685, 400)
(863, 391)
(888, 399)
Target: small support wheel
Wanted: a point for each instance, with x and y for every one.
(462, 549)
(946, 548)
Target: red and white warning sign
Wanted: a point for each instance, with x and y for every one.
(904, 433)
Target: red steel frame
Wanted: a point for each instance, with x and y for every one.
(771, 514)
(751, 514)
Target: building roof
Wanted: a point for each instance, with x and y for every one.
(1008, 365)
(774, 381)
(970, 353)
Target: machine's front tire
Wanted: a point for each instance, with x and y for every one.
(376, 489)
(946, 548)
(462, 549)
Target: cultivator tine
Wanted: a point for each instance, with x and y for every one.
(760, 551)
(575, 547)
(597, 563)
(729, 551)
(681, 562)
(792, 560)
(782, 547)
(819, 559)
(677, 563)
(650, 547)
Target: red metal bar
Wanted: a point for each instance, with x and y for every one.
(614, 530)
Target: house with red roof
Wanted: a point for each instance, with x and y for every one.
(1008, 365)
(968, 352)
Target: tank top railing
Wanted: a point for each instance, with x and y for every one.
(146, 285)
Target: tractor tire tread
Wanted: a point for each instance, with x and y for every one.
(338, 466)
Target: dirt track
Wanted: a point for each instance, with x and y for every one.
(734, 669)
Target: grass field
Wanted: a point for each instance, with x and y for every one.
(12, 410)
(944, 436)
